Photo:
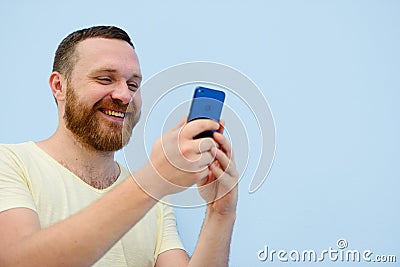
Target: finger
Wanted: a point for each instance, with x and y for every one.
(221, 126)
(196, 127)
(216, 170)
(225, 179)
(205, 160)
(226, 163)
(195, 148)
(204, 144)
(224, 144)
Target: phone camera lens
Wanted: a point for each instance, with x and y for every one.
(200, 91)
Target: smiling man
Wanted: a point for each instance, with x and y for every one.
(65, 201)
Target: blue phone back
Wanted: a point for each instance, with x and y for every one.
(206, 104)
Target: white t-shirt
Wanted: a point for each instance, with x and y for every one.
(30, 178)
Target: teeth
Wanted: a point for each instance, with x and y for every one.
(114, 113)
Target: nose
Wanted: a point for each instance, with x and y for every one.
(122, 94)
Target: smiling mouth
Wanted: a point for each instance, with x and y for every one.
(113, 113)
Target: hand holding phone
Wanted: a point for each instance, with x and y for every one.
(206, 104)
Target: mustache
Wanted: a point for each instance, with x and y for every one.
(115, 105)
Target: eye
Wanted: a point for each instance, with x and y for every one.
(133, 86)
(104, 80)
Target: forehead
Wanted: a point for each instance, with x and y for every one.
(97, 53)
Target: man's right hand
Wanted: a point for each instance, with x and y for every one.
(178, 161)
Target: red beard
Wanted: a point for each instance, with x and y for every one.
(89, 128)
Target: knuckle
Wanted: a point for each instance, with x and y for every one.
(186, 150)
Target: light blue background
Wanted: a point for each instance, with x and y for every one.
(330, 72)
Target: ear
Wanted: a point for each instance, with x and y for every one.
(58, 85)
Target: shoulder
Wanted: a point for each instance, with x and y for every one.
(14, 153)
(15, 185)
(20, 154)
(17, 149)
(23, 159)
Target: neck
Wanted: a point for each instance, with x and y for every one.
(96, 168)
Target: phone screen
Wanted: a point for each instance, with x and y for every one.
(206, 104)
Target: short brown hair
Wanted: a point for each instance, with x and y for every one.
(65, 57)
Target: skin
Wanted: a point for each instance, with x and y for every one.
(24, 243)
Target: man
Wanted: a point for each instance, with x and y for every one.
(64, 201)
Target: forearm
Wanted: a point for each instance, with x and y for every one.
(213, 246)
(85, 237)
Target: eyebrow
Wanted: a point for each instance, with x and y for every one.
(96, 71)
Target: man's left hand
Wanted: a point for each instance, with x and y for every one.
(219, 188)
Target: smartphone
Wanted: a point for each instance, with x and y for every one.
(207, 103)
